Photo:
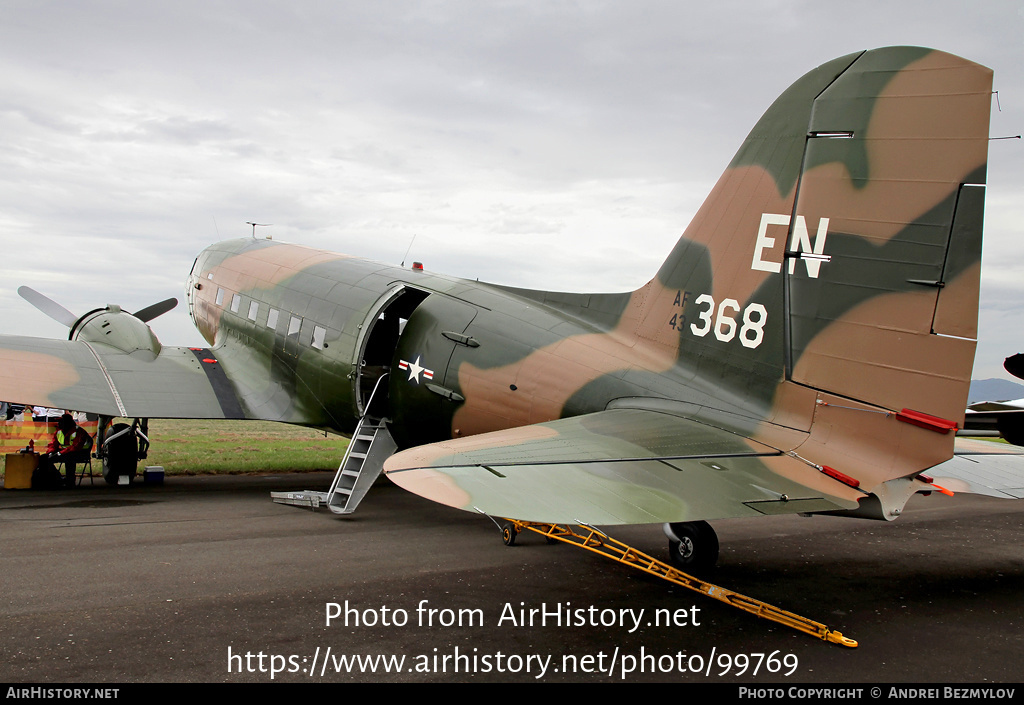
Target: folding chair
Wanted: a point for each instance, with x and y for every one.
(86, 468)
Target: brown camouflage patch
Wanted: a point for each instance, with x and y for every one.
(259, 268)
(897, 367)
(549, 376)
(30, 378)
(429, 483)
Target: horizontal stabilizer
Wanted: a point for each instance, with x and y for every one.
(620, 466)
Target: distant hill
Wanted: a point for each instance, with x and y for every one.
(994, 390)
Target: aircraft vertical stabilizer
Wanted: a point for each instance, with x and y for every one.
(841, 249)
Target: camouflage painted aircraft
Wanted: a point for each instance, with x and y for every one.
(805, 348)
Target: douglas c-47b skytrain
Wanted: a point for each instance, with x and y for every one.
(805, 348)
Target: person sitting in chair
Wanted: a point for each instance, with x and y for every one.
(70, 445)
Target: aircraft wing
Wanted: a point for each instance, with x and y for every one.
(983, 467)
(996, 406)
(74, 374)
(618, 466)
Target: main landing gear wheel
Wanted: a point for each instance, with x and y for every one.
(692, 546)
(122, 455)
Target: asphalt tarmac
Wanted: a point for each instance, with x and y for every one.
(205, 579)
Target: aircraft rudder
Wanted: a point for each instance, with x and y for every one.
(893, 185)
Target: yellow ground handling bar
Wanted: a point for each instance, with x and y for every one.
(594, 540)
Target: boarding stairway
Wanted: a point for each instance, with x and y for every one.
(370, 446)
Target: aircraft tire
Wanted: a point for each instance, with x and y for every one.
(694, 547)
(122, 456)
(508, 534)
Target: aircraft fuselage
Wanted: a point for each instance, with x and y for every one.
(462, 357)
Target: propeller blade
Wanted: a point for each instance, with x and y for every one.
(158, 309)
(48, 306)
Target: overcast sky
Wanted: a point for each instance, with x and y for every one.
(555, 145)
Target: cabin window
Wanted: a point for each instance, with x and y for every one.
(220, 296)
(272, 319)
(236, 301)
(293, 327)
(254, 309)
(319, 333)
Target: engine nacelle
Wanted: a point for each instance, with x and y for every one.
(118, 329)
